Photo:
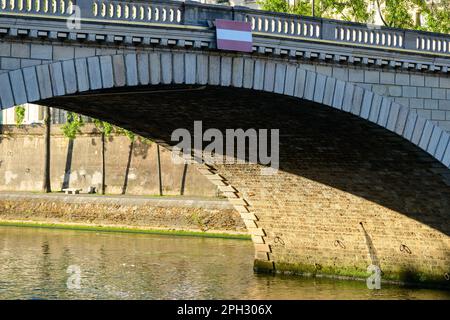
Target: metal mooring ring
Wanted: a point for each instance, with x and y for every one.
(339, 243)
(404, 248)
(277, 239)
(447, 276)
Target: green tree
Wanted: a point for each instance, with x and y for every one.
(354, 10)
(106, 129)
(436, 15)
(393, 13)
(73, 125)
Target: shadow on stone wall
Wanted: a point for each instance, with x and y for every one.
(317, 143)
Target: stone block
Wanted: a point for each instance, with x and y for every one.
(417, 80)
(442, 145)
(289, 82)
(6, 94)
(269, 77)
(190, 68)
(280, 74)
(329, 91)
(444, 104)
(155, 68)
(438, 115)
(402, 79)
(84, 52)
(375, 108)
(320, 87)
(10, 63)
(355, 75)
(20, 50)
(366, 104)
(401, 120)
(416, 103)
(310, 85)
(357, 100)
(437, 93)
(131, 69)
(82, 74)
(41, 51)
(338, 98)
(444, 82)
(237, 72)
(424, 92)
(393, 116)
(63, 52)
(384, 112)
(248, 73)
(5, 49)
(225, 71)
(44, 81)
(432, 81)
(70, 78)
(371, 76)
(395, 91)
(434, 140)
(166, 68)
(119, 70)
(57, 77)
(300, 81)
(340, 73)
(409, 92)
(178, 68)
(214, 70)
(202, 69)
(418, 130)
(95, 73)
(426, 135)
(387, 77)
(106, 66)
(31, 84)
(348, 97)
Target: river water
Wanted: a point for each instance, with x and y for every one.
(64, 264)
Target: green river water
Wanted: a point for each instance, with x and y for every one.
(34, 264)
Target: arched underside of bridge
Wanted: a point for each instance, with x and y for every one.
(349, 193)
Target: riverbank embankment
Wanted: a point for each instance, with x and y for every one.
(210, 217)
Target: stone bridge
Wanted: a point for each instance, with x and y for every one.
(363, 113)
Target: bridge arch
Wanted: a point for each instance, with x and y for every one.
(36, 83)
(164, 68)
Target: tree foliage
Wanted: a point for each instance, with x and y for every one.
(130, 135)
(107, 129)
(20, 114)
(394, 13)
(436, 16)
(104, 127)
(73, 125)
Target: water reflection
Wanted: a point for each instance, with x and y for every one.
(34, 265)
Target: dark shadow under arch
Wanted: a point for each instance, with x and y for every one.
(317, 142)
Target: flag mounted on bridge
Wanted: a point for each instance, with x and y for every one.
(234, 35)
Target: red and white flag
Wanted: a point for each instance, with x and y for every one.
(234, 35)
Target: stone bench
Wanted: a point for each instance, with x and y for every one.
(71, 191)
